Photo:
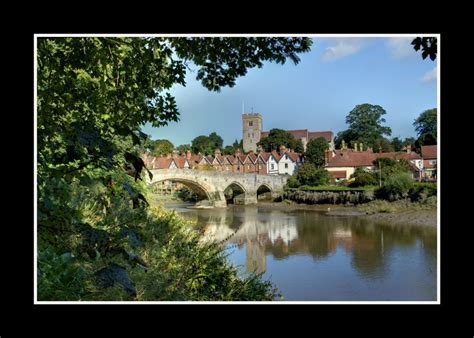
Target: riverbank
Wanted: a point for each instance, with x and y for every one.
(398, 213)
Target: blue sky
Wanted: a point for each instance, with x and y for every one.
(317, 94)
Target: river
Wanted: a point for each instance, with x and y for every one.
(312, 256)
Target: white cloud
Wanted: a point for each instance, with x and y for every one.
(401, 47)
(430, 76)
(343, 47)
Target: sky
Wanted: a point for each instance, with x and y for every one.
(316, 94)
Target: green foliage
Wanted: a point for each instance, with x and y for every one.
(162, 147)
(388, 167)
(60, 277)
(315, 151)
(429, 47)
(186, 194)
(216, 140)
(309, 174)
(276, 138)
(206, 144)
(364, 179)
(397, 144)
(183, 148)
(426, 127)
(293, 182)
(382, 144)
(365, 125)
(93, 96)
(397, 186)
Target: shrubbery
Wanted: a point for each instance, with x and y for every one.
(396, 186)
(364, 179)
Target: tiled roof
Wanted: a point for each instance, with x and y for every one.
(350, 158)
(315, 134)
(162, 163)
(400, 155)
(429, 152)
(294, 156)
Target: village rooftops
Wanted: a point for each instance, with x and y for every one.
(429, 152)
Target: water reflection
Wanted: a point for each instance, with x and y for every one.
(350, 248)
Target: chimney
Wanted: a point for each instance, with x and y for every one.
(355, 146)
(343, 145)
(259, 149)
(282, 149)
(188, 155)
(408, 148)
(174, 154)
(168, 155)
(238, 152)
(360, 147)
(217, 152)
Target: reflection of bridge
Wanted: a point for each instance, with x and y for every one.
(210, 185)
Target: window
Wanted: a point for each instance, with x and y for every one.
(286, 165)
(273, 166)
(432, 162)
(248, 167)
(259, 167)
(250, 123)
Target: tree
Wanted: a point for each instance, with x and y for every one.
(397, 144)
(276, 138)
(183, 148)
(309, 174)
(93, 96)
(426, 127)
(429, 47)
(216, 140)
(202, 144)
(382, 144)
(162, 147)
(315, 151)
(365, 124)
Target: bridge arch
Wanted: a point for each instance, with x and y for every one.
(235, 193)
(264, 191)
(201, 191)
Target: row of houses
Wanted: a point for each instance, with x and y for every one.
(283, 162)
(342, 163)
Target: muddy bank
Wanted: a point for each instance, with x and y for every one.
(418, 217)
(409, 217)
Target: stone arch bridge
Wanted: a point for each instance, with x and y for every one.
(210, 185)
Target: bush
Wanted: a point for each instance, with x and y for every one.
(363, 179)
(309, 174)
(293, 182)
(396, 186)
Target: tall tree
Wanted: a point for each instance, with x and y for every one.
(426, 127)
(397, 144)
(216, 140)
(365, 124)
(162, 147)
(202, 144)
(278, 137)
(315, 151)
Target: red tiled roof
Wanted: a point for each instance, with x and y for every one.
(162, 163)
(399, 155)
(265, 156)
(315, 134)
(350, 158)
(276, 155)
(252, 157)
(180, 161)
(429, 152)
(294, 156)
(338, 174)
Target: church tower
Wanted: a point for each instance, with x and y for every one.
(252, 129)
